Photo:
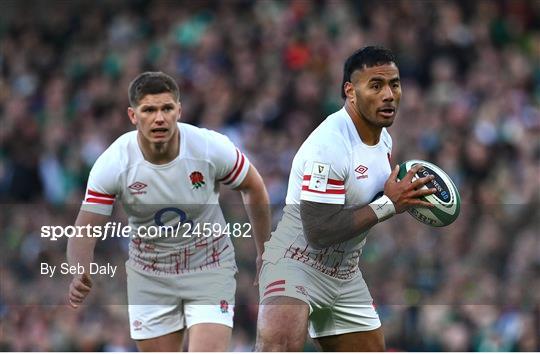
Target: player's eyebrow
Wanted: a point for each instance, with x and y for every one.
(376, 78)
(148, 105)
(383, 79)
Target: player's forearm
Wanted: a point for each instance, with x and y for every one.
(80, 250)
(257, 206)
(326, 224)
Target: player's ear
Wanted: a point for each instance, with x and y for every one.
(179, 111)
(348, 88)
(132, 116)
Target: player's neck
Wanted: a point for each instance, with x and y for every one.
(161, 153)
(369, 134)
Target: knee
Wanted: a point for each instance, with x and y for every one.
(279, 341)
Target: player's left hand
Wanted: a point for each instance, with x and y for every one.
(258, 263)
(78, 289)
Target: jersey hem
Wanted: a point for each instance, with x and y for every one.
(140, 268)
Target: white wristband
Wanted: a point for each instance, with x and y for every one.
(383, 208)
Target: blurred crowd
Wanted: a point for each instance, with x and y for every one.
(266, 73)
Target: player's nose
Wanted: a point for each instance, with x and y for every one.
(388, 94)
(160, 117)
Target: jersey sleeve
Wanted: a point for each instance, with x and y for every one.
(324, 173)
(231, 164)
(102, 188)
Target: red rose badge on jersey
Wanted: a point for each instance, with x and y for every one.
(197, 179)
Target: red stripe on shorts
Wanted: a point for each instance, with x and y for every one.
(273, 291)
(277, 282)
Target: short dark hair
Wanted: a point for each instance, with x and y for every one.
(151, 83)
(366, 57)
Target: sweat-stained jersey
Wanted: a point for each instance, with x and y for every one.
(333, 166)
(181, 194)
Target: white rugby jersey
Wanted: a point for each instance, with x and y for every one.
(184, 191)
(332, 166)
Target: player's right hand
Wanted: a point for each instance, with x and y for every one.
(78, 289)
(406, 192)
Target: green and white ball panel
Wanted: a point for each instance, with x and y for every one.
(446, 200)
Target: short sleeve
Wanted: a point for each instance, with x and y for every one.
(324, 174)
(101, 189)
(231, 164)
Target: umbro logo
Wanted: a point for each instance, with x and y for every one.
(301, 290)
(137, 325)
(137, 188)
(362, 171)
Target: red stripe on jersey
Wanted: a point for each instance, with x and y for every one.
(331, 181)
(273, 291)
(242, 160)
(328, 191)
(234, 168)
(101, 195)
(277, 282)
(100, 201)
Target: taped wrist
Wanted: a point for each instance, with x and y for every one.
(383, 208)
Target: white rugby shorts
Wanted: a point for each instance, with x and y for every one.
(336, 306)
(159, 305)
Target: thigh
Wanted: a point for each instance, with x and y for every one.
(209, 337)
(367, 341)
(284, 307)
(282, 324)
(171, 342)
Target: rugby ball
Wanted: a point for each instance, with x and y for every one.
(446, 200)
